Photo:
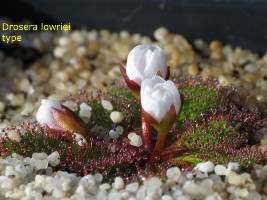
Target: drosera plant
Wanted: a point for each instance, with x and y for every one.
(142, 127)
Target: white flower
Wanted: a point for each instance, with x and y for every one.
(159, 98)
(44, 115)
(59, 117)
(145, 61)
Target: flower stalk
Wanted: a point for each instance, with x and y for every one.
(161, 138)
(146, 134)
(161, 105)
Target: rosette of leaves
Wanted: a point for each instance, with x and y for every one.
(210, 127)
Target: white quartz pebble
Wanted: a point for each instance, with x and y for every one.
(118, 184)
(116, 116)
(205, 187)
(54, 159)
(205, 167)
(85, 113)
(132, 187)
(233, 166)
(135, 140)
(113, 134)
(191, 187)
(20, 169)
(220, 170)
(84, 106)
(104, 186)
(14, 135)
(173, 173)
(234, 178)
(41, 164)
(9, 171)
(40, 156)
(119, 129)
(106, 105)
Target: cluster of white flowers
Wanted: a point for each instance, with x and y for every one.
(147, 67)
(146, 75)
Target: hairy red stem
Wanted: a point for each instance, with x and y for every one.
(146, 134)
(161, 138)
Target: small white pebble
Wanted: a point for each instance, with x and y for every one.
(9, 171)
(85, 114)
(40, 156)
(59, 51)
(250, 68)
(54, 159)
(118, 184)
(119, 129)
(98, 177)
(41, 164)
(205, 167)
(135, 140)
(154, 182)
(84, 106)
(20, 169)
(104, 186)
(116, 116)
(132, 187)
(237, 191)
(234, 178)
(214, 196)
(29, 169)
(65, 41)
(161, 33)
(92, 35)
(166, 197)
(191, 187)
(81, 51)
(124, 194)
(85, 119)
(205, 187)
(220, 170)
(79, 139)
(39, 180)
(113, 134)
(131, 135)
(233, 166)
(106, 105)
(173, 173)
(14, 135)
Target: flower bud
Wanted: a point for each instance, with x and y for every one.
(161, 102)
(144, 61)
(59, 117)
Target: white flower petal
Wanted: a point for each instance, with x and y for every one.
(144, 61)
(157, 96)
(44, 115)
(176, 98)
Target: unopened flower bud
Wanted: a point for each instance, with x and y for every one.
(161, 102)
(59, 117)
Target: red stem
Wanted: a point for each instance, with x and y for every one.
(146, 134)
(159, 146)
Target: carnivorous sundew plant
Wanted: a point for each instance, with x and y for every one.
(142, 127)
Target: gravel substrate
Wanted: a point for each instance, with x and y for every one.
(21, 178)
(50, 65)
